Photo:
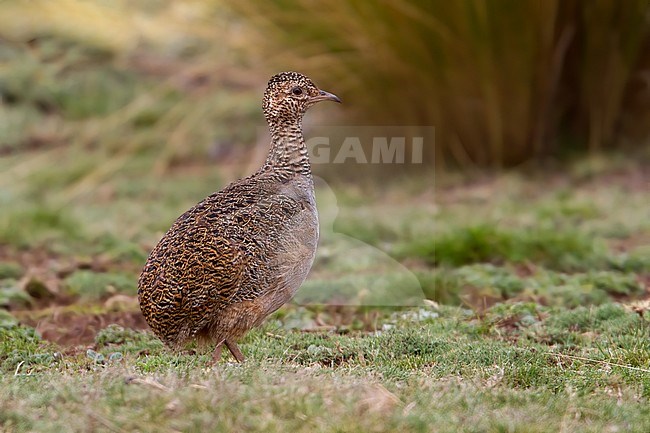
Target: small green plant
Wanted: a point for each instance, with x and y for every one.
(93, 286)
(22, 225)
(10, 270)
(124, 340)
(13, 296)
(489, 243)
(22, 350)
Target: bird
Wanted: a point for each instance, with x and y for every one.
(242, 252)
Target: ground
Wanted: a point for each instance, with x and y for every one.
(532, 311)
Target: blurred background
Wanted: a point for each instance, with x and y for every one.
(503, 82)
(116, 116)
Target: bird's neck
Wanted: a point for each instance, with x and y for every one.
(288, 154)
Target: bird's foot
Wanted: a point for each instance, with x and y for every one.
(216, 355)
(232, 346)
(234, 349)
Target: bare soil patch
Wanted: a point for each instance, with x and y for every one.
(69, 329)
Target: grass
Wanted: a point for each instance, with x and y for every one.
(585, 370)
(488, 242)
(474, 283)
(528, 323)
(89, 285)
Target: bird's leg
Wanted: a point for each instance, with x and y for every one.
(216, 355)
(230, 344)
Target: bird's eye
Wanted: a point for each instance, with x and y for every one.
(296, 91)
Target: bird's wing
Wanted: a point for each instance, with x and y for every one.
(210, 266)
(192, 272)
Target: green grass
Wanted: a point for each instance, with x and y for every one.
(537, 292)
(507, 369)
(498, 283)
(550, 247)
(93, 286)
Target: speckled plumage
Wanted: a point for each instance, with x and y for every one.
(242, 252)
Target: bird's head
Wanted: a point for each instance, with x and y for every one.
(289, 95)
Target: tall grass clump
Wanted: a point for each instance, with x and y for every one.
(501, 81)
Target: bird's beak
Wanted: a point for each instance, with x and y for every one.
(325, 96)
